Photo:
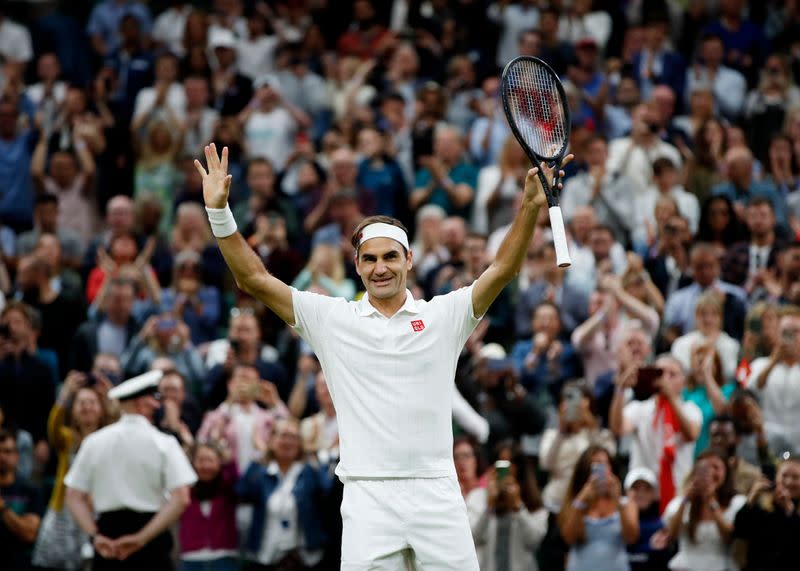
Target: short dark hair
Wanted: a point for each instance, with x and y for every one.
(356, 237)
(8, 435)
(602, 228)
(761, 201)
(723, 419)
(662, 164)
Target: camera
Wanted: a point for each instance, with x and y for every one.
(645, 382)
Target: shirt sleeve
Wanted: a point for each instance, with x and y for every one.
(462, 314)
(633, 412)
(310, 313)
(177, 469)
(671, 509)
(79, 475)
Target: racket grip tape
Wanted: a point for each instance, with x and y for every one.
(559, 237)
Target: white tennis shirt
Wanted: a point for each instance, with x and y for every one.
(391, 379)
(129, 465)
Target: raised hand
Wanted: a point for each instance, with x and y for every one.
(533, 186)
(217, 181)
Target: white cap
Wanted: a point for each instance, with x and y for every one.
(221, 38)
(492, 351)
(145, 384)
(267, 80)
(641, 475)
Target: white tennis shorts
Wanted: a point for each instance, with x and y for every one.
(406, 523)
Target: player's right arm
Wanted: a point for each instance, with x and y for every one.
(245, 265)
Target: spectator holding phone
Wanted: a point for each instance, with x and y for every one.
(702, 519)
(507, 517)
(561, 447)
(239, 423)
(776, 381)
(81, 409)
(753, 446)
(596, 521)
(770, 521)
(664, 426)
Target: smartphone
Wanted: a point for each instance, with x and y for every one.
(501, 469)
(599, 472)
(645, 382)
(572, 398)
(167, 324)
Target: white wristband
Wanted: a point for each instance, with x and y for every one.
(222, 222)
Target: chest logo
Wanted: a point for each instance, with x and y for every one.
(417, 325)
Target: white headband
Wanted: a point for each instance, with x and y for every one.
(383, 230)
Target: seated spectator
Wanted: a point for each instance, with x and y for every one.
(610, 194)
(666, 182)
(123, 256)
(24, 445)
(284, 490)
(741, 187)
(719, 224)
(320, 432)
(770, 522)
(195, 303)
(239, 423)
(111, 330)
(510, 409)
(69, 177)
(381, 175)
(708, 319)
(545, 361)
(231, 89)
(16, 206)
(46, 215)
(679, 311)
(497, 187)
(601, 252)
(191, 230)
(466, 457)
(641, 488)
(707, 387)
(21, 507)
(724, 436)
(156, 172)
(445, 179)
(760, 332)
(753, 445)
(507, 518)
(81, 409)
(746, 263)
(594, 521)
(164, 335)
(427, 246)
(658, 64)
(165, 100)
(179, 414)
(547, 283)
(560, 448)
(775, 380)
(208, 526)
(637, 282)
(60, 316)
(702, 520)
(728, 85)
(325, 273)
(243, 345)
(667, 261)
(63, 280)
(27, 392)
(664, 427)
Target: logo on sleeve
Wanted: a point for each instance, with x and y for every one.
(418, 325)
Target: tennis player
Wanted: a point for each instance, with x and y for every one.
(389, 361)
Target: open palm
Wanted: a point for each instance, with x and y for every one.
(217, 181)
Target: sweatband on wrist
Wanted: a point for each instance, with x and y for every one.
(222, 222)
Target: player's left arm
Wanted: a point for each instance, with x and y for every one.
(512, 251)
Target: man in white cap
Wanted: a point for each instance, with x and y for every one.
(389, 362)
(123, 472)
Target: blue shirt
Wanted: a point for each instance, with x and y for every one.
(462, 173)
(106, 16)
(16, 194)
(386, 183)
(542, 377)
(757, 189)
(679, 310)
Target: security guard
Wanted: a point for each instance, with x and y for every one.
(123, 472)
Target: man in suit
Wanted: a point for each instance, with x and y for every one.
(657, 63)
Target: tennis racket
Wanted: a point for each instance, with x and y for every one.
(537, 111)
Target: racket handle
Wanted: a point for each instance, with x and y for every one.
(559, 237)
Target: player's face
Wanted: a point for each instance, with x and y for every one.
(383, 267)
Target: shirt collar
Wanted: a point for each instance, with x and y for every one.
(365, 308)
(134, 419)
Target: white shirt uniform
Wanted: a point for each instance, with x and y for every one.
(129, 465)
(390, 379)
(780, 401)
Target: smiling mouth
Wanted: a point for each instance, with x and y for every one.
(382, 282)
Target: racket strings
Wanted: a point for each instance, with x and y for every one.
(536, 107)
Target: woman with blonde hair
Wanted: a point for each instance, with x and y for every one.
(325, 273)
(498, 185)
(80, 410)
(286, 530)
(156, 172)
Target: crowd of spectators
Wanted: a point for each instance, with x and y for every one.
(635, 411)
